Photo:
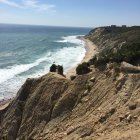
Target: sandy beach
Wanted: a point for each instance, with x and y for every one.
(91, 50)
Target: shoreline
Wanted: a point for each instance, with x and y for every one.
(91, 50)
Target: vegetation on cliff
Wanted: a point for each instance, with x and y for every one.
(82, 68)
(53, 68)
(116, 44)
(56, 68)
(127, 52)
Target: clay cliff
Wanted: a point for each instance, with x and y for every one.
(100, 105)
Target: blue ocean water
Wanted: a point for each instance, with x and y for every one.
(28, 51)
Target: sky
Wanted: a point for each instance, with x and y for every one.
(81, 13)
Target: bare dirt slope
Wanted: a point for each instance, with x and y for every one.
(100, 106)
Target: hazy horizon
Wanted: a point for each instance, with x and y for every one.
(86, 13)
(20, 24)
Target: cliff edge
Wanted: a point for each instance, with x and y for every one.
(93, 106)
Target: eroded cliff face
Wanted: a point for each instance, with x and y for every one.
(99, 105)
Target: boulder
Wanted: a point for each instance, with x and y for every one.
(85, 93)
(71, 130)
(84, 131)
(128, 68)
(92, 79)
(129, 118)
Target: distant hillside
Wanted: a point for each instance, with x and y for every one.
(116, 44)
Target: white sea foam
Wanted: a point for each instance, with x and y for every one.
(62, 41)
(10, 72)
(71, 39)
(11, 81)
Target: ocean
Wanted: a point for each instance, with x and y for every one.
(28, 51)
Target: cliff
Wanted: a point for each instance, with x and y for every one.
(102, 104)
(114, 37)
(116, 44)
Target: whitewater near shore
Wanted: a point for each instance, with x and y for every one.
(28, 52)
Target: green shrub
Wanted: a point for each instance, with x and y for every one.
(83, 68)
(129, 52)
(53, 68)
(56, 68)
(60, 69)
(93, 60)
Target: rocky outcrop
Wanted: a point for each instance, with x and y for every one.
(128, 68)
(38, 102)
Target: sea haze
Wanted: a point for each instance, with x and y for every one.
(28, 51)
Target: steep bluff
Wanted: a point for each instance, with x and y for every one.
(38, 102)
(97, 105)
(103, 104)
